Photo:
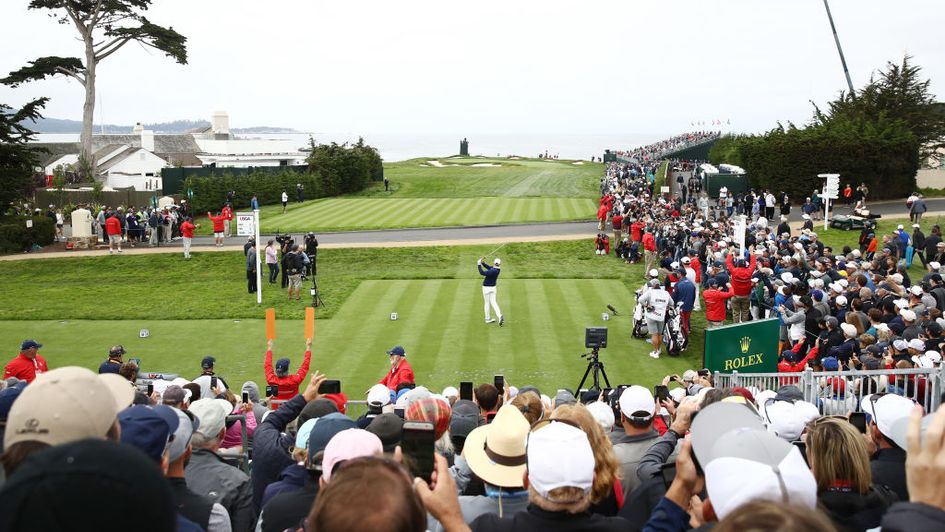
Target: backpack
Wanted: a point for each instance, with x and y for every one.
(294, 263)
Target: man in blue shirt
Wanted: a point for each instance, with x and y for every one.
(685, 293)
(491, 275)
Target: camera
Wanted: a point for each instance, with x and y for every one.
(595, 337)
(284, 240)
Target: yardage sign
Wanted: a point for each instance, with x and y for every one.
(245, 224)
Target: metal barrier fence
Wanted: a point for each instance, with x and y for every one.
(841, 392)
(356, 409)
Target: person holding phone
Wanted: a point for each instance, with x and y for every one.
(400, 370)
(288, 383)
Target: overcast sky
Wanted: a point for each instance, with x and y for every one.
(487, 66)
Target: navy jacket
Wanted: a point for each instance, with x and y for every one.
(491, 275)
(271, 447)
(685, 292)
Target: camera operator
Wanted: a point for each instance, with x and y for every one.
(311, 251)
(294, 267)
(286, 245)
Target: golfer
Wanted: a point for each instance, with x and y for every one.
(488, 289)
(655, 301)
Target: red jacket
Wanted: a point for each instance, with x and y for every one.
(715, 303)
(218, 222)
(112, 226)
(741, 277)
(227, 213)
(187, 229)
(636, 230)
(602, 212)
(786, 367)
(288, 385)
(618, 222)
(396, 376)
(649, 242)
(25, 368)
(697, 266)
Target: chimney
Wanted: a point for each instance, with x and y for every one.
(220, 123)
(147, 140)
(138, 128)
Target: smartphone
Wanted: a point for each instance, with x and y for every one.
(668, 472)
(245, 398)
(213, 382)
(858, 419)
(417, 445)
(150, 389)
(272, 390)
(607, 392)
(499, 382)
(399, 412)
(466, 391)
(704, 373)
(615, 398)
(330, 386)
(661, 392)
(489, 417)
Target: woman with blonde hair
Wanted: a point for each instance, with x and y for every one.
(529, 404)
(606, 493)
(839, 459)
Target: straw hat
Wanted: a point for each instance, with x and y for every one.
(496, 452)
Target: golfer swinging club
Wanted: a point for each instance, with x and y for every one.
(491, 275)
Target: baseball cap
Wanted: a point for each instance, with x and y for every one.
(830, 363)
(564, 397)
(496, 452)
(916, 290)
(389, 428)
(397, 350)
(717, 419)
(430, 410)
(787, 419)
(450, 391)
(378, 395)
(637, 402)
(917, 344)
(78, 476)
(604, 414)
(148, 428)
(787, 393)
(841, 301)
(326, 428)
(305, 430)
(64, 405)
(907, 314)
(464, 420)
(29, 344)
(767, 467)
(900, 345)
(559, 455)
(187, 424)
(689, 375)
(207, 362)
(212, 415)
(497, 261)
(885, 410)
(348, 444)
(8, 396)
(174, 394)
(848, 329)
(282, 367)
(318, 408)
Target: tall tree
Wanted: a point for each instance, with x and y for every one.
(17, 158)
(104, 27)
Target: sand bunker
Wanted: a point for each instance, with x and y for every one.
(437, 164)
(578, 162)
(485, 164)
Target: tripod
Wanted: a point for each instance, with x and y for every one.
(595, 365)
(316, 299)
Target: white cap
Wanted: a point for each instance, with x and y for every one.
(900, 344)
(787, 277)
(378, 395)
(900, 226)
(603, 414)
(841, 301)
(923, 362)
(901, 303)
(685, 260)
(559, 456)
(916, 226)
(916, 290)
(654, 273)
(754, 464)
(787, 420)
(917, 344)
(849, 330)
(805, 216)
(907, 314)
(674, 265)
(897, 277)
(886, 410)
(497, 261)
(934, 356)
(843, 283)
(637, 399)
(935, 265)
(212, 415)
(449, 391)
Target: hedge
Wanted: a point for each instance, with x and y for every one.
(16, 237)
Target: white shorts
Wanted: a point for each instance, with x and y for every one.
(218, 235)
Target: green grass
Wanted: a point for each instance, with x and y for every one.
(457, 194)
(549, 292)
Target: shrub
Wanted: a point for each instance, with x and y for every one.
(16, 237)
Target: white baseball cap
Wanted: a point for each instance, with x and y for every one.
(654, 273)
(885, 411)
(603, 414)
(935, 265)
(559, 456)
(841, 301)
(497, 261)
(848, 329)
(212, 415)
(907, 314)
(917, 344)
(786, 419)
(916, 290)
(637, 399)
(449, 391)
(378, 395)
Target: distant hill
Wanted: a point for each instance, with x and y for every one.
(59, 125)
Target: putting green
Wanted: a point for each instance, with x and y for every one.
(440, 323)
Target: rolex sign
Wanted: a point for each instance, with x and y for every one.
(749, 347)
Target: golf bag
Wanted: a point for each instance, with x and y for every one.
(676, 340)
(639, 318)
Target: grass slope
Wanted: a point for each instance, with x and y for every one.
(459, 193)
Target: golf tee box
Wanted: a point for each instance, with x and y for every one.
(270, 324)
(309, 323)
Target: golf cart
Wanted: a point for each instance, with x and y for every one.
(850, 222)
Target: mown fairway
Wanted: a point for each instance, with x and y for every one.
(549, 292)
(452, 192)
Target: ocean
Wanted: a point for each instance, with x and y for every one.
(403, 147)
